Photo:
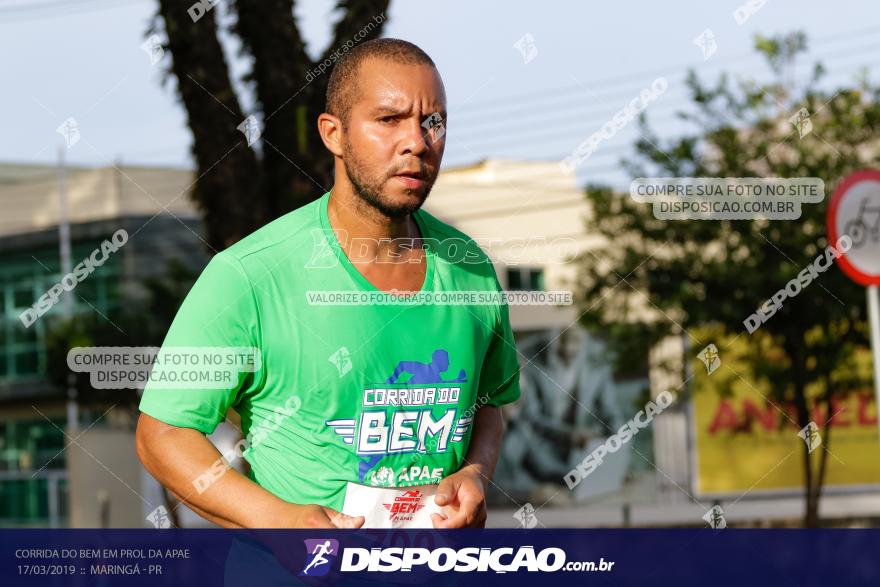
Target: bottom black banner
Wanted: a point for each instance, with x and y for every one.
(209, 558)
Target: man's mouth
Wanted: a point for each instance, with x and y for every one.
(411, 179)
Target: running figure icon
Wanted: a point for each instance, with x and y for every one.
(427, 372)
(319, 559)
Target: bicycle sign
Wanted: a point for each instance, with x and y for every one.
(854, 210)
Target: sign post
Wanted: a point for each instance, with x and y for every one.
(854, 211)
(874, 323)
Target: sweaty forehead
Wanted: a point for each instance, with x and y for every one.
(382, 82)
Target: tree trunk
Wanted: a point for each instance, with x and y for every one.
(795, 350)
(269, 33)
(227, 184)
(819, 481)
(237, 193)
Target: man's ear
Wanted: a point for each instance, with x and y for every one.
(330, 128)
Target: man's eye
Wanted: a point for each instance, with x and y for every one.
(386, 119)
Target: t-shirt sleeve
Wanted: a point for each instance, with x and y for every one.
(219, 312)
(499, 377)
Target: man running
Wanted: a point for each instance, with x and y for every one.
(328, 403)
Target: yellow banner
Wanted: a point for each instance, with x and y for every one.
(747, 443)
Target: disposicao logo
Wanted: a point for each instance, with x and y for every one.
(321, 553)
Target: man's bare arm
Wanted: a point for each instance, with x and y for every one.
(463, 494)
(485, 442)
(176, 457)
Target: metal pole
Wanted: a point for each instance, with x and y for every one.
(67, 297)
(53, 495)
(690, 436)
(874, 324)
(64, 229)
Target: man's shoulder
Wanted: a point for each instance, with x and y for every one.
(284, 235)
(453, 243)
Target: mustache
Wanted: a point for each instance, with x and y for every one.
(424, 170)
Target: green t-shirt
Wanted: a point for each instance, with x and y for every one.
(382, 395)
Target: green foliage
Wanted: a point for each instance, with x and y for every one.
(653, 279)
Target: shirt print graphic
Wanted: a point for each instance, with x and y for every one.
(414, 412)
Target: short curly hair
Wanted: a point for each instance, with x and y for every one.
(342, 89)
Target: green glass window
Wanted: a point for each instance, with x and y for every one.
(25, 277)
(525, 279)
(33, 483)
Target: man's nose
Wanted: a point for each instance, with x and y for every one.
(416, 139)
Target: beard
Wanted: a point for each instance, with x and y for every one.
(369, 188)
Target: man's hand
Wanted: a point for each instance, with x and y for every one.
(301, 516)
(463, 495)
(316, 516)
(232, 500)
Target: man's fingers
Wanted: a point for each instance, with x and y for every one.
(350, 522)
(316, 518)
(456, 520)
(340, 520)
(437, 520)
(445, 492)
(468, 514)
(471, 509)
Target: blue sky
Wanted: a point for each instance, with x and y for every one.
(83, 60)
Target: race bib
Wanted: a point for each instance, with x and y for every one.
(398, 507)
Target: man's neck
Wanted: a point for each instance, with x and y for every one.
(376, 234)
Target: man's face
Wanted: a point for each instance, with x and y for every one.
(391, 158)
